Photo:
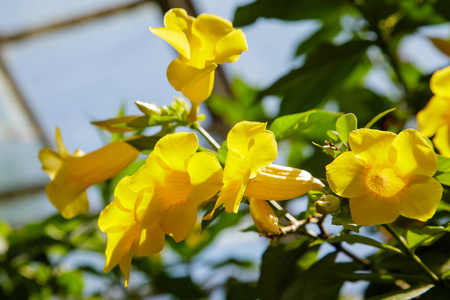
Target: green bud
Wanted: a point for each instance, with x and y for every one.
(327, 204)
(148, 108)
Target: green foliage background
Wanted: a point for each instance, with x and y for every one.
(354, 38)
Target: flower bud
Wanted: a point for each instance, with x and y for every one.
(327, 204)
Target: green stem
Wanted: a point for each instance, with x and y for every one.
(207, 136)
(411, 254)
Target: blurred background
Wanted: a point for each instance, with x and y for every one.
(67, 63)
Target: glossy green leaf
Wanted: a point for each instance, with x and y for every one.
(346, 124)
(425, 236)
(144, 143)
(443, 170)
(306, 124)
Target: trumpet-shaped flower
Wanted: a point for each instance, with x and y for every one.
(202, 43)
(125, 236)
(249, 172)
(386, 175)
(161, 198)
(434, 119)
(71, 175)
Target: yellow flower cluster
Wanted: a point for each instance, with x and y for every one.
(434, 119)
(161, 198)
(386, 175)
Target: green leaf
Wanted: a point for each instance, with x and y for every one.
(410, 293)
(324, 71)
(360, 239)
(285, 10)
(443, 170)
(144, 143)
(278, 265)
(317, 282)
(417, 236)
(379, 116)
(70, 283)
(117, 125)
(313, 123)
(346, 124)
(343, 217)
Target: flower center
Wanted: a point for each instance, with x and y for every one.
(384, 182)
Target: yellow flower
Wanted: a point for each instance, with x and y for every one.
(161, 198)
(386, 175)
(249, 172)
(435, 117)
(125, 236)
(202, 43)
(71, 175)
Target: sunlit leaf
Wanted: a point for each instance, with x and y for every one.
(424, 236)
(443, 170)
(313, 123)
(346, 124)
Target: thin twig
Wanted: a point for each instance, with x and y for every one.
(208, 137)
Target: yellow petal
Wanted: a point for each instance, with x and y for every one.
(229, 48)
(281, 183)
(263, 216)
(149, 209)
(177, 18)
(182, 76)
(419, 200)
(179, 220)
(150, 242)
(371, 145)
(125, 266)
(114, 218)
(148, 174)
(442, 140)
(346, 175)
(124, 195)
(372, 209)
(200, 90)
(239, 136)
(118, 245)
(69, 200)
(174, 150)
(176, 38)
(206, 176)
(51, 161)
(411, 154)
(433, 116)
(440, 82)
(60, 145)
(210, 29)
(100, 165)
(262, 151)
